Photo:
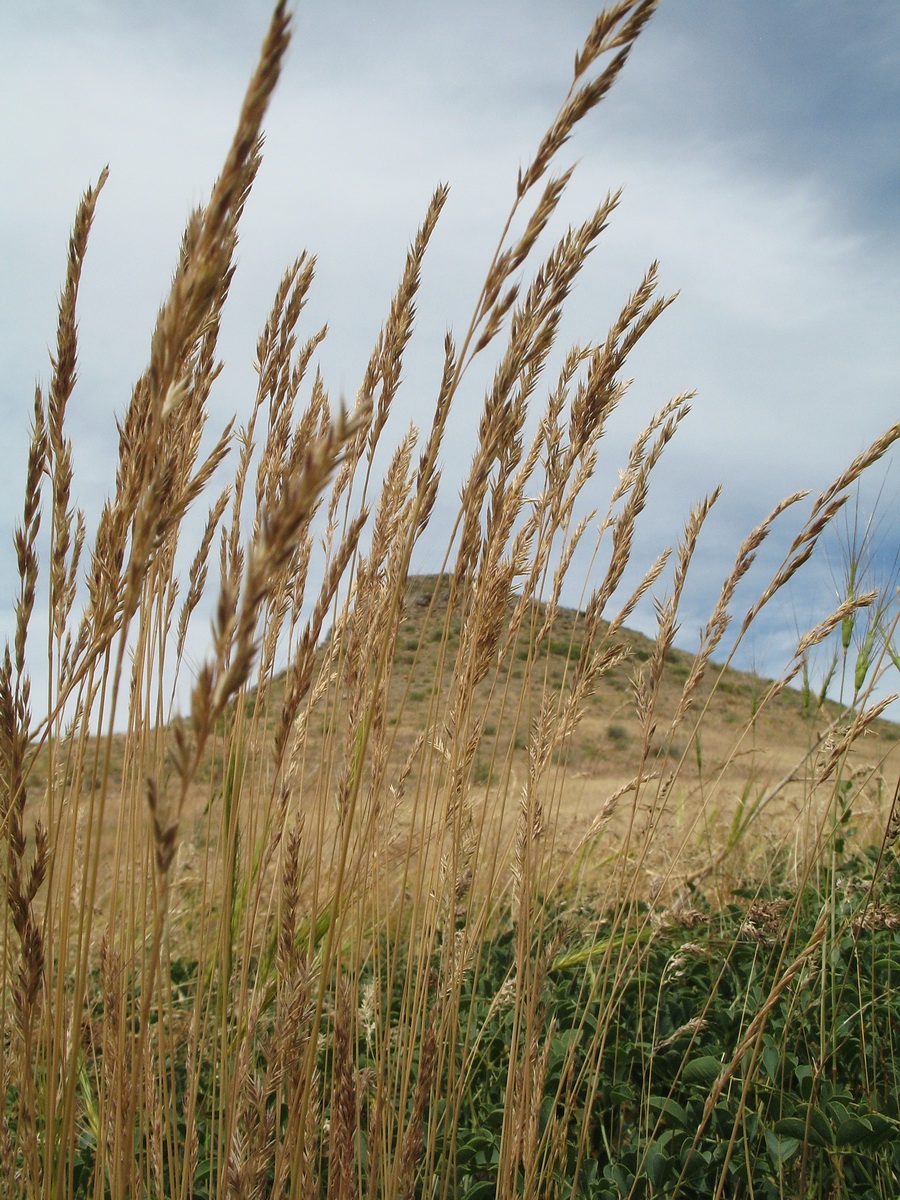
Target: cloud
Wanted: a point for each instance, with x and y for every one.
(757, 144)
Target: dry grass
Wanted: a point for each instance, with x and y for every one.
(328, 844)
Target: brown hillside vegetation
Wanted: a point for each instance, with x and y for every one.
(674, 792)
(744, 777)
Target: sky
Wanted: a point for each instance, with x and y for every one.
(758, 143)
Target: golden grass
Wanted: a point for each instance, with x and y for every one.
(344, 830)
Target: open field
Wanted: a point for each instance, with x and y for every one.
(437, 888)
(755, 756)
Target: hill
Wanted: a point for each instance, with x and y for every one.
(752, 775)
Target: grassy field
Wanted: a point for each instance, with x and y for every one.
(438, 888)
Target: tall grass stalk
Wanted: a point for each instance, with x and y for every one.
(268, 947)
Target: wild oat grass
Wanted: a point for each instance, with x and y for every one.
(321, 935)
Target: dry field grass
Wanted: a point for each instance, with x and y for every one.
(303, 940)
(749, 778)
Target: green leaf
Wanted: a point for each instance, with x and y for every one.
(704, 1070)
(694, 1165)
(839, 1112)
(821, 1126)
(780, 1148)
(559, 1047)
(880, 1124)
(795, 1127)
(866, 1130)
(853, 1132)
(791, 1127)
(672, 1111)
(492, 1118)
(485, 1190)
(804, 1075)
(621, 1093)
(658, 1166)
(771, 1059)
